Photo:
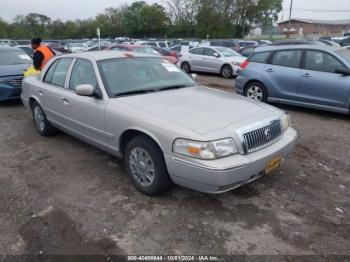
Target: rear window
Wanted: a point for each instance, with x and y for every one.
(259, 57)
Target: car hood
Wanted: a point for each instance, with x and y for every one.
(200, 109)
(11, 70)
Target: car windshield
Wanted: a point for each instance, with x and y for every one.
(345, 54)
(146, 50)
(14, 57)
(227, 52)
(123, 76)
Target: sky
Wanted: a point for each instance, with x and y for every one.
(82, 9)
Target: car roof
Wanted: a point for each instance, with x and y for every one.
(285, 47)
(103, 55)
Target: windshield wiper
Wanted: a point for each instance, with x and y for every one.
(172, 87)
(135, 92)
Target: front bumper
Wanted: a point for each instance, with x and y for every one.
(231, 172)
(9, 93)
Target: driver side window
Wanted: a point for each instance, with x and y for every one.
(209, 52)
(82, 73)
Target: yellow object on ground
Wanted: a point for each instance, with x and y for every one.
(31, 72)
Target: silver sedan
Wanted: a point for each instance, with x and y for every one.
(166, 128)
(217, 60)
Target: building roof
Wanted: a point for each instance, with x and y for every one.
(322, 22)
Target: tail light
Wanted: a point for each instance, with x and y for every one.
(244, 64)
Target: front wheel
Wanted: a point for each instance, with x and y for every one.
(41, 123)
(145, 165)
(226, 71)
(186, 67)
(256, 91)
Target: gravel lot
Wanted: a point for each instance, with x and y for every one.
(61, 196)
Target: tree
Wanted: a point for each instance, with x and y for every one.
(3, 28)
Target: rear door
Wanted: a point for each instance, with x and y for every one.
(282, 74)
(53, 90)
(319, 83)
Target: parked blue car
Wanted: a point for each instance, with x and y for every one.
(309, 76)
(13, 62)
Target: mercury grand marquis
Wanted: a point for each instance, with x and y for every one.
(168, 129)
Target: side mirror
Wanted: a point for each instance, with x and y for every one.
(217, 55)
(343, 71)
(85, 90)
(194, 76)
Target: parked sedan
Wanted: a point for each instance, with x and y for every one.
(219, 60)
(309, 76)
(147, 111)
(13, 62)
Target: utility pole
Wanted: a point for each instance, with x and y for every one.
(290, 17)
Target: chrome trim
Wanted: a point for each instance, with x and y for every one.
(252, 127)
(207, 167)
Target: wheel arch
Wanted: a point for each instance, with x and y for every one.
(254, 81)
(130, 134)
(226, 64)
(31, 101)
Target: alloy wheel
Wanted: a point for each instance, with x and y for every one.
(226, 72)
(142, 166)
(39, 118)
(255, 93)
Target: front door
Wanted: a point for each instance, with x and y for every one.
(86, 114)
(319, 84)
(210, 62)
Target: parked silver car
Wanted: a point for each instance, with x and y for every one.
(165, 127)
(218, 60)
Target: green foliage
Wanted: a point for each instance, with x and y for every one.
(178, 18)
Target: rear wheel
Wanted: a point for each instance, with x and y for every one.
(256, 91)
(186, 67)
(42, 124)
(145, 165)
(226, 71)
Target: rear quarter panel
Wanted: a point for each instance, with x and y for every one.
(29, 88)
(251, 73)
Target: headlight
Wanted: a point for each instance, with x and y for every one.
(205, 150)
(285, 122)
(236, 63)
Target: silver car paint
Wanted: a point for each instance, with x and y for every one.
(196, 113)
(210, 64)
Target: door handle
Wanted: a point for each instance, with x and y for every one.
(41, 92)
(307, 75)
(65, 100)
(269, 70)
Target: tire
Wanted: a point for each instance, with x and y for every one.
(40, 121)
(256, 91)
(185, 66)
(141, 154)
(226, 71)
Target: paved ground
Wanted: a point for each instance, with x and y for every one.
(61, 196)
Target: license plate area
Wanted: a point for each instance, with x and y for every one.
(273, 165)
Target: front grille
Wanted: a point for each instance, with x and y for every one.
(16, 82)
(263, 137)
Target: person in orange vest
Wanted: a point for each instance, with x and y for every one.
(42, 54)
